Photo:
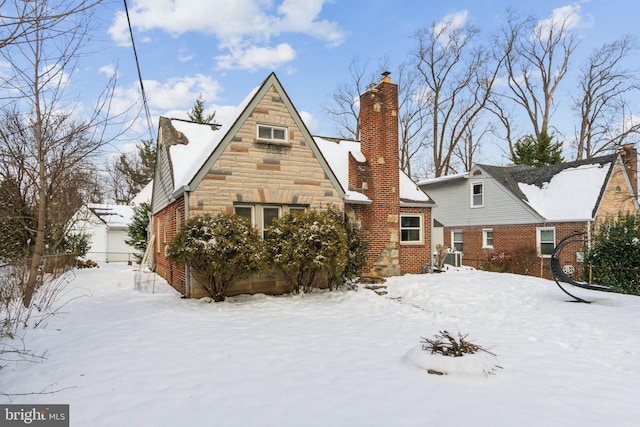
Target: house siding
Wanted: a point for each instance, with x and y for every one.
(511, 238)
(453, 204)
(162, 181)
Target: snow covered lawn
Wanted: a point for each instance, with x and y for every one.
(122, 356)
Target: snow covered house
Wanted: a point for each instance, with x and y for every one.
(501, 209)
(263, 162)
(107, 226)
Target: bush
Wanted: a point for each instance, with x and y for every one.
(523, 260)
(357, 247)
(310, 248)
(219, 250)
(614, 256)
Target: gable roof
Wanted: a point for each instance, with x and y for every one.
(566, 191)
(195, 147)
(113, 216)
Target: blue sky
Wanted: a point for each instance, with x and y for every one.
(222, 49)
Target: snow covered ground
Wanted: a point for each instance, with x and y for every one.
(122, 356)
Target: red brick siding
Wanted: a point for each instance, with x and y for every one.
(508, 238)
(164, 228)
(414, 257)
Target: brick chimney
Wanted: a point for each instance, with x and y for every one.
(379, 144)
(629, 156)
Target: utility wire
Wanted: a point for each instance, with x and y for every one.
(144, 95)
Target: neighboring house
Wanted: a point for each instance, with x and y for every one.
(263, 162)
(494, 209)
(107, 227)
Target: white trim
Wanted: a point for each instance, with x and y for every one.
(272, 129)
(471, 194)
(539, 231)
(485, 232)
(420, 240)
(453, 241)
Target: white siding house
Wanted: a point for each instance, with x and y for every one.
(107, 227)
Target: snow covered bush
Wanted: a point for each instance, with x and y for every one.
(310, 248)
(614, 256)
(357, 247)
(219, 250)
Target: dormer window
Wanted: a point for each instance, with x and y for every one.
(477, 194)
(272, 134)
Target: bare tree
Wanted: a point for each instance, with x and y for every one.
(131, 171)
(537, 54)
(605, 120)
(414, 106)
(459, 79)
(470, 143)
(41, 62)
(345, 104)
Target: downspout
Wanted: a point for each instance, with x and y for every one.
(589, 248)
(187, 271)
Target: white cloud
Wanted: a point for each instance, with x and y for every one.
(310, 121)
(449, 25)
(565, 17)
(254, 57)
(242, 27)
(180, 91)
(108, 70)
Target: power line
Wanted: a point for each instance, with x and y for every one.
(144, 95)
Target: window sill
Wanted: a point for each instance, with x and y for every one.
(273, 142)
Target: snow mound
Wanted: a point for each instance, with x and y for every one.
(476, 364)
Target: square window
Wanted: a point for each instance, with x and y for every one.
(279, 134)
(245, 212)
(411, 228)
(264, 132)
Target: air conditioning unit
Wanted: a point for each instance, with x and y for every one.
(454, 259)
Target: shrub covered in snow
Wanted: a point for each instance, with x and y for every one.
(310, 248)
(614, 256)
(356, 244)
(219, 250)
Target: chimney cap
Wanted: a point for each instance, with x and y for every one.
(385, 77)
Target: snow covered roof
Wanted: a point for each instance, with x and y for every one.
(144, 195)
(336, 152)
(114, 216)
(566, 191)
(202, 139)
(337, 156)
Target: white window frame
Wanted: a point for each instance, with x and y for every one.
(272, 138)
(420, 229)
(485, 238)
(453, 241)
(472, 195)
(539, 241)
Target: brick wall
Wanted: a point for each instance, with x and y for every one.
(165, 224)
(379, 177)
(509, 238)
